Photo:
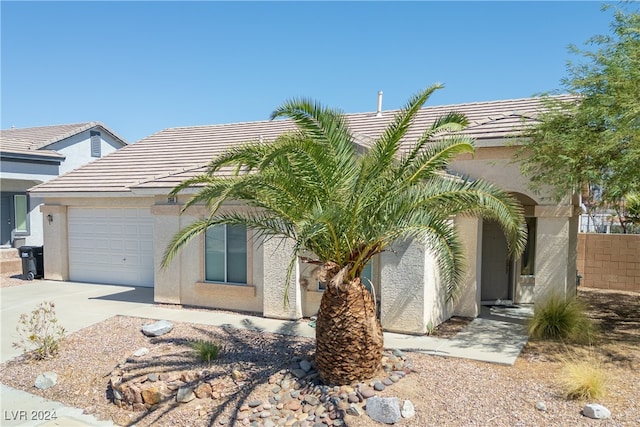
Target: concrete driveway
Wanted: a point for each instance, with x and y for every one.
(79, 305)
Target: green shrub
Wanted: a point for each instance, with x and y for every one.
(39, 334)
(560, 318)
(207, 351)
(583, 378)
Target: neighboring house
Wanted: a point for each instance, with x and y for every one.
(31, 156)
(113, 219)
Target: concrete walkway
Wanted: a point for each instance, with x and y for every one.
(79, 305)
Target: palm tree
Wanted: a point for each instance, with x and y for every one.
(313, 187)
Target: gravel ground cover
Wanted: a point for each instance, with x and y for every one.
(445, 391)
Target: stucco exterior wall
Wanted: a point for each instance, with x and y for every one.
(468, 303)
(77, 149)
(282, 300)
(56, 251)
(183, 280)
(554, 251)
(407, 278)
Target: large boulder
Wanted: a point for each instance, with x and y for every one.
(384, 409)
(596, 411)
(157, 329)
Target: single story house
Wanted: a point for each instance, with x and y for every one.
(112, 220)
(31, 156)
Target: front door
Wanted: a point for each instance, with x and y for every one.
(6, 220)
(495, 282)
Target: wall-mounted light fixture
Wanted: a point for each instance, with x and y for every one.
(50, 218)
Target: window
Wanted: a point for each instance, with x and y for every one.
(95, 143)
(529, 254)
(21, 212)
(226, 254)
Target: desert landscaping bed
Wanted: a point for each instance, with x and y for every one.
(444, 391)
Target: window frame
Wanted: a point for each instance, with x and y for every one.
(27, 224)
(529, 252)
(247, 246)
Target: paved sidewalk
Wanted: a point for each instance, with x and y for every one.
(79, 305)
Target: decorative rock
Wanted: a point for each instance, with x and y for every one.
(141, 352)
(151, 395)
(188, 376)
(540, 406)
(185, 394)
(408, 410)
(384, 409)
(387, 381)
(203, 391)
(398, 353)
(378, 386)
(157, 329)
(596, 411)
(311, 399)
(116, 394)
(46, 380)
(153, 377)
(294, 405)
(139, 407)
(255, 403)
(243, 415)
(354, 410)
(353, 398)
(269, 423)
(305, 365)
(298, 373)
(367, 392)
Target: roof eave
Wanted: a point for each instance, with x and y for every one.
(32, 158)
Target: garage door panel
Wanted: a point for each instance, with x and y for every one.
(113, 246)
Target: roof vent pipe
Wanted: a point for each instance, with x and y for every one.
(379, 112)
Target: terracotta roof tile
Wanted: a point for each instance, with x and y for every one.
(166, 158)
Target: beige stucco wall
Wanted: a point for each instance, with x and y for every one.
(411, 298)
(183, 280)
(281, 300)
(468, 303)
(555, 251)
(405, 275)
(56, 238)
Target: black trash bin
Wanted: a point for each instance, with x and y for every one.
(32, 262)
(38, 253)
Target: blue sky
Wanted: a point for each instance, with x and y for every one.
(140, 67)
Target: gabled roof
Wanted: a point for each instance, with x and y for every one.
(26, 141)
(160, 161)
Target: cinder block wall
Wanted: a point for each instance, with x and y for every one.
(609, 261)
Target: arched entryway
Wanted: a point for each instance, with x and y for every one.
(504, 279)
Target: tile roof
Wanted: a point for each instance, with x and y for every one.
(29, 140)
(162, 160)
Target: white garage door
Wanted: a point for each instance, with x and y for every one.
(112, 246)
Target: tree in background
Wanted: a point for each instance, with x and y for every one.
(592, 140)
(340, 208)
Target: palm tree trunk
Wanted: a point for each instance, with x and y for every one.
(349, 338)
